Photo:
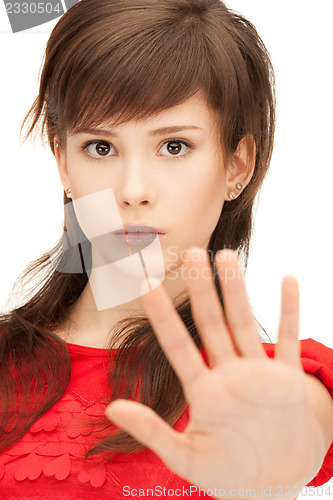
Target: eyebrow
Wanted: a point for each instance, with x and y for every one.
(152, 133)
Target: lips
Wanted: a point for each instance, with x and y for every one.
(138, 234)
(139, 228)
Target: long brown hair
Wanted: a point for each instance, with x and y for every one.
(124, 60)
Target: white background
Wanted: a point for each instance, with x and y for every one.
(293, 228)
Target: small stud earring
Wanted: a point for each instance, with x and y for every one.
(68, 192)
(233, 194)
(56, 144)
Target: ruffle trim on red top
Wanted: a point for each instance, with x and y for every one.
(35, 453)
(55, 446)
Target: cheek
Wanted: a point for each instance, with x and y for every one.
(198, 210)
(97, 213)
(83, 183)
(204, 200)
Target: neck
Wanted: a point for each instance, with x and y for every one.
(112, 294)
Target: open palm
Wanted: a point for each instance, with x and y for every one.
(250, 416)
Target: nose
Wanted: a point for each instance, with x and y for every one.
(135, 187)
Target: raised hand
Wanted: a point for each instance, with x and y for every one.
(250, 421)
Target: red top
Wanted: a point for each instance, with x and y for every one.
(46, 463)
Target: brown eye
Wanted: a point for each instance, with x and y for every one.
(102, 148)
(97, 150)
(174, 147)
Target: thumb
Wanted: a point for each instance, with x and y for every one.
(150, 429)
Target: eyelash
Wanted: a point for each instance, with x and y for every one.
(88, 143)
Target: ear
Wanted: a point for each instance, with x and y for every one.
(61, 159)
(241, 166)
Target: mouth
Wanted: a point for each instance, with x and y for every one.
(139, 235)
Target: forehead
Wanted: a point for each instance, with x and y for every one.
(194, 110)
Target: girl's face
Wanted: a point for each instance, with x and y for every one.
(166, 172)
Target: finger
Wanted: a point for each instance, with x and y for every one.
(237, 308)
(288, 346)
(206, 307)
(174, 339)
(147, 427)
